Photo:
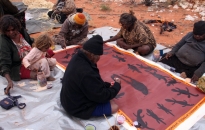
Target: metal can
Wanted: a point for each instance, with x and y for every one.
(120, 119)
(136, 124)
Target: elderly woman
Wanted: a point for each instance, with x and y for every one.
(134, 35)
(62, 9)
(13, 48)
(73, 31)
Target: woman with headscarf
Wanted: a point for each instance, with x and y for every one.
(73, 31)
(134, 35)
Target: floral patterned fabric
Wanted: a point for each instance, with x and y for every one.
(23, 48)
(140, 34)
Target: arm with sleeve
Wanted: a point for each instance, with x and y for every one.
(5, 57)
(180, 44)
(83, 34)
(97, 91)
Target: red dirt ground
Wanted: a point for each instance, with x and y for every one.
(100, 18)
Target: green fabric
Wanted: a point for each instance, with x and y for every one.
(10, 61)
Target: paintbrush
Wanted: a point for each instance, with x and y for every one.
(108, 122)
(116, 119)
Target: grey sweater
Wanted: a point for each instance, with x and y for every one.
(191, 52)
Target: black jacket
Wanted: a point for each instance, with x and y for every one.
(10, 61)
(8, 7)
(83, 89)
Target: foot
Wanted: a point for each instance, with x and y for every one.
(50, 78)
(183, 75)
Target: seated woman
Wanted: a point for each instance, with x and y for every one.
(13, 48)
(36, 59)
(62, 9)
(73, 31)
(134, 35)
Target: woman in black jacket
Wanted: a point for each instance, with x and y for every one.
(84, 94)
(13, 47)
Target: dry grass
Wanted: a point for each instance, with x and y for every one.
(105, 7)
(38, 4)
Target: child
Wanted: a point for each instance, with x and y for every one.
(36, 59)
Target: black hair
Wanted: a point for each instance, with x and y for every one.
(9, 21)
(127, 18)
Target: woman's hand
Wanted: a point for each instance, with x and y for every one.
(117, 80)
(10, 83)
(169, 54)
(9, 86)
(63, 45)
(194, 78)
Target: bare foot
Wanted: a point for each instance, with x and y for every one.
(50, 78)
(183, 75)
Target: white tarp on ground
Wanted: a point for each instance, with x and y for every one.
(44, 112)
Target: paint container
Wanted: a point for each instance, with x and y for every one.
(41, 78)
(188, 80)
(156, 55)
(90, 127)
(114, 127)
(136, 124)
(120, 119)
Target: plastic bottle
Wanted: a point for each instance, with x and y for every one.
(42, 81)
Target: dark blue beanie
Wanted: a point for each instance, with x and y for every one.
(199, 28)
(94, 45)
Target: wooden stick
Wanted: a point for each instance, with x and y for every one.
(108, 121)
(116, 119)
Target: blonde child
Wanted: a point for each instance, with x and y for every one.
(36, 59)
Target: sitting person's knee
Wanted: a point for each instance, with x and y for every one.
(114, 107)
(44, 61)
(144, 50)
(120, 40)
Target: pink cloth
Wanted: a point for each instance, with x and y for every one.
(36, 59)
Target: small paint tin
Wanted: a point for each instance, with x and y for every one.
(90, 127)
(136, 124)
(120, 119)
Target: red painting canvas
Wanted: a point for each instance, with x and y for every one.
(149, 95)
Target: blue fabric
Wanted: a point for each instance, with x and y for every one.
(103, 108)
